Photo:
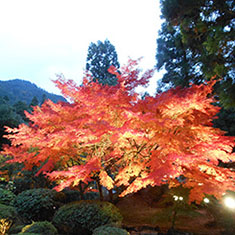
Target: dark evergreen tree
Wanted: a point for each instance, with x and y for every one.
(99, 58)
(20, 107)
(226, 121)
(34, 101)
(8, 117)
(44, 98)
(196, 42)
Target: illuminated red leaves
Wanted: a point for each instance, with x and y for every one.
(106, 180)
(110, 134)
(74, 175)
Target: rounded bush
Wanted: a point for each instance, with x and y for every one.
(6, 197)
(38, 204)
(7, 212)
(15, 229)
(84, 216)
(108, 230)
(43, 227)
(28, 234)
(8, 216)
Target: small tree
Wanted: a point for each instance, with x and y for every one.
(34, 102)
(99, 58)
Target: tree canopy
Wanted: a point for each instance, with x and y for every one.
(196, 42)
(99, 58)
(109, 134)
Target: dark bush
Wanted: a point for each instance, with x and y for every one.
(29, 234)
(71, 195)
(7, 212)
(15, 229)
(84, 216)
(8, 216)
(6, 197)
(43, 227)
(38, 204)
(75, 195)
(91, 196)
(27, 180)
(109, 230)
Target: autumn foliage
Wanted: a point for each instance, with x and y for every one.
(110, 134)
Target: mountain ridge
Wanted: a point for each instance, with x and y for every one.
(23, 90)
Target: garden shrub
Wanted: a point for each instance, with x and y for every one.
(108, 230)
(84, 216)
(38, 204)
(71, 195)
(27, 180)
(6, 197)
(75, 195)
(16, 228)
(91, 196)
(28, 234)
(43, 227)
(8, 216)
(7, 212)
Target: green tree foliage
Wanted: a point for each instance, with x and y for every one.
(8, 117)
(226, 121)
(99, 58)
(18, 96)
(34, 101)
(196, 42)
(44, 98)
(20, 107)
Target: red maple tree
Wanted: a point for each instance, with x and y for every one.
(111, 135)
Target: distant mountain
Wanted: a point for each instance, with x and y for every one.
(21, 90)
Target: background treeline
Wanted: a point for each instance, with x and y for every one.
(21, 90)
(17, 96)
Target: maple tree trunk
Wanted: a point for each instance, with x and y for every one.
(81, 191)
(100, 190)
(111, 195)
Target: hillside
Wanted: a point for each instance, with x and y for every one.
(21, 90)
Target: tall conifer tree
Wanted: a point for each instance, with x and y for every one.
(99, 58)
(196, 43)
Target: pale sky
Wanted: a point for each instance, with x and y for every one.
(41, 38)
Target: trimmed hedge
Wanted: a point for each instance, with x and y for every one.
(7, 212)
(38, 204)
(6, 197)
(43, 227)
(84, 216)
(15, 229)
(8, 216)
(109, 230)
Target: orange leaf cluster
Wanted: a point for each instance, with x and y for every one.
(111, 134)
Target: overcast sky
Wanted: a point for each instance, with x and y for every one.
(40, 38)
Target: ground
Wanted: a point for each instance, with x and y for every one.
(144, 213)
